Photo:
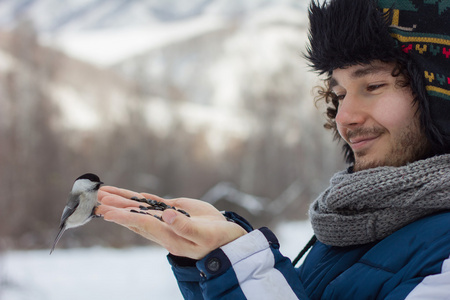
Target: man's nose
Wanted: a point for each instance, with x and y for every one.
(351, 111)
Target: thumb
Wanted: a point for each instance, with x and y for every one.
(179, 223)
(169, 216)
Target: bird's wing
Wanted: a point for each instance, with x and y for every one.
(72, 204)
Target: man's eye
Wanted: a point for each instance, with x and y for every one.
(374, 87)
(340, 97)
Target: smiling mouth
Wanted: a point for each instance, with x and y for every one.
(362, 138)
(361, 142)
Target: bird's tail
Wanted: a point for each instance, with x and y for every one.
(60, 233)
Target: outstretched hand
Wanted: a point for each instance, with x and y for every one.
(193, 237)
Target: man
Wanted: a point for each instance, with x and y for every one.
(383, 225)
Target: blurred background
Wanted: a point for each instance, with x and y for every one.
(209, 99)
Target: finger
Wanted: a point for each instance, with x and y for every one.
(127, 194)
(102, 194)
(183, 203)
(157, 198)
(102, 209)
(119, 202)
(122, 216)
(145, 225)
(120, 192)
(135, 222)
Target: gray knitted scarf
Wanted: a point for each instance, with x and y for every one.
(367, 206)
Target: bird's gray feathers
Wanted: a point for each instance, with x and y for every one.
(72, 204)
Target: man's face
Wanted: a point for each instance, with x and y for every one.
(377, 117)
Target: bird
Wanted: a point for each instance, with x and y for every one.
(81, 205)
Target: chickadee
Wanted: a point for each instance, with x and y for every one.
(80, 207)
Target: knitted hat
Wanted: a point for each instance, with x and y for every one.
(414, 32)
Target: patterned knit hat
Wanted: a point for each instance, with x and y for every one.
(413, 32)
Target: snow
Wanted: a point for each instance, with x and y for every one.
(80, 15)
(97, 273)
(103, 273)
(77, 113)
(6, 62)
(110, 46)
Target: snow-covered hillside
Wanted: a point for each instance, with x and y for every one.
(108, 46)
(82, 15)
(208, 49)
(103, 32)
(212, 61)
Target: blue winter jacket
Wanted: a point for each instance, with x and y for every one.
(412, 263)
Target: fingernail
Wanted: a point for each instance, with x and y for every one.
(169, 216)
(105, 217)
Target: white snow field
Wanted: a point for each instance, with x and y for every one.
(110, 274)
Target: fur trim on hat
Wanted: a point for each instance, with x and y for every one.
(348, 32)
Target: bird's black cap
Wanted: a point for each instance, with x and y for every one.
(90, 176)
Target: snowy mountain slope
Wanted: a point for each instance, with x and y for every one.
(78, 90)
(217, 67)
(216, 74)
(80, 15)
(105, 47)
(211, 61)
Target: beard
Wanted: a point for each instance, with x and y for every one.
(410, 145)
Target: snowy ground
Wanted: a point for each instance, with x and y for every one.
(101, 273)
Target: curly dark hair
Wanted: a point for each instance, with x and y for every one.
(408, 76)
